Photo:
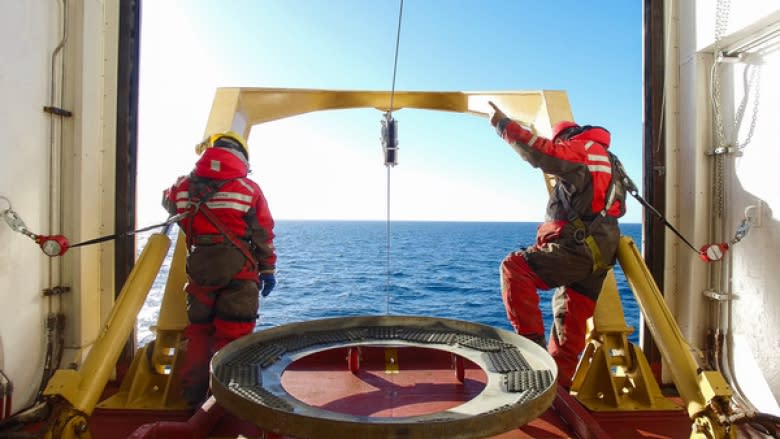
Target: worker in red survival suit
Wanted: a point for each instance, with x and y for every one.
(231, 257)
(575, 246)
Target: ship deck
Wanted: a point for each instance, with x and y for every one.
(425, 382)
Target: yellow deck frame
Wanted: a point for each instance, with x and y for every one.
(626, 377)
(77, 392)
(613, 374)
(150, 383)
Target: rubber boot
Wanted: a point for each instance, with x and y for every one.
(195, 367)
(519, 286)
(227, 331)
(567, 339)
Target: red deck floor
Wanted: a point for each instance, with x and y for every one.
(423, 383)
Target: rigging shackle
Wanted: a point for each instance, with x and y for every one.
(744, 226)
(52, 245)
(390, 139)
(16, 223)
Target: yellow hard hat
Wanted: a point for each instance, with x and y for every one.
(237, 141)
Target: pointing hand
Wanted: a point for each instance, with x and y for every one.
(495, 114)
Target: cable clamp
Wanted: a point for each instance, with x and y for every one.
(723, 150)
(716, 295)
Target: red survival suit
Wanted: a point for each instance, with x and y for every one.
(225, 257)
(575, 246)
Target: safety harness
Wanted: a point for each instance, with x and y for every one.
(615, 192)
(200, 193)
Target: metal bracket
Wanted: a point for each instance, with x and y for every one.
(55, 291)
(716, 295)
(613, 374)
(722, 150)
(726, 58)
(57, 111)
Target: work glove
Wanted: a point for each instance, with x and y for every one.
(496, 115)
(267, 283)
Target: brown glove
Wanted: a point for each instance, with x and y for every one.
(496, 114)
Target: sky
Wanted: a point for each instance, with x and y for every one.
(329, 165)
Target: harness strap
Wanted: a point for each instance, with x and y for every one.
(201, 293)
(240, 245)
(206, 240)
(585, 237)
(582, 234)
(198, 204)
(611, 193)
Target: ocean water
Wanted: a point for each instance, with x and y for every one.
(350, 268)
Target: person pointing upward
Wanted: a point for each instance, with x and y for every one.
(576, 244)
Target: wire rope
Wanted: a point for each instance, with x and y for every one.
(388, 274)
(395, 57)
(387, 165)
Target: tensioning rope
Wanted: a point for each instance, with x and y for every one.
(390, 146)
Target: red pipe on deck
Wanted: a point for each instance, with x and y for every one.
(199, 426)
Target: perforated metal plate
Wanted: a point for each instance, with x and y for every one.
(246, 377)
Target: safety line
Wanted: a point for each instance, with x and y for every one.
(661, 216)
(167, 223)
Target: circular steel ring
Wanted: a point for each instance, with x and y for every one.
(521, 377)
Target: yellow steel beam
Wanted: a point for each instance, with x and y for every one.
(238, 109)
(82, 389)
(706, 394)
(613, 374)
(174, 297)
(662, 325)
(150, 382)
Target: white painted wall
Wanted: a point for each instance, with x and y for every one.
(755, 274)
(29, 31)
(80, 179)
(752, 316)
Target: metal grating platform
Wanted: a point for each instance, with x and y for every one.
(520, 385)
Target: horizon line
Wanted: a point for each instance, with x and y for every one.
(422, 220)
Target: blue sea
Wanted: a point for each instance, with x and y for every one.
(350, 268)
